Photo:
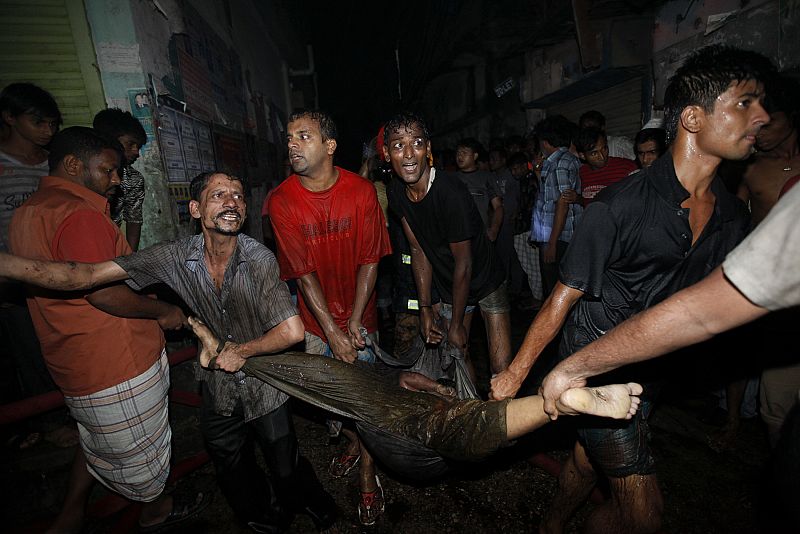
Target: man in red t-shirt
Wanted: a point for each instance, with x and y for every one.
(599, 170)
(330, 234)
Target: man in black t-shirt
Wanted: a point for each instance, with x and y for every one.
(641, 240)
(449, 245)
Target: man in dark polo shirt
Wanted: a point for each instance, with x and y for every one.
(641, 240)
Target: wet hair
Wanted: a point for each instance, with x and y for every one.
(115, 123)
(81, 142)
(783, 94)
(404, 121)
(200, 182)
(19, 98)
(652, 134)
(470, 143)
(517, 158)
(587, 139)
(326, 125)
(556, 130)
(593, 116)
(707, 74)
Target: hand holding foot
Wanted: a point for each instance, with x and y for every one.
(208, 343)
(618, 401)
(554, 385)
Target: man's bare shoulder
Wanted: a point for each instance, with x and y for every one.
(767, 173)
(764, 178)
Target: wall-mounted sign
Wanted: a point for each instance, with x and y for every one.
(504, 87)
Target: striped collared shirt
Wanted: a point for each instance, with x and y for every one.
(253, 299)
(560, 171)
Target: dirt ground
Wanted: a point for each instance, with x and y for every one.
(704, 491)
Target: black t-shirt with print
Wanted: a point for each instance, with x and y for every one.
(447, 215)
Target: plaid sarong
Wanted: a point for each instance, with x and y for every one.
(125, 433)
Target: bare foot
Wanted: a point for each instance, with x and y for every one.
(618, 401)
(208, 343)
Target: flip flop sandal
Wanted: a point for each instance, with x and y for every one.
(179, 514)
(342, 465)
(372, 505)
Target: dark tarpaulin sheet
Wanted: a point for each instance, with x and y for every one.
(411, 432)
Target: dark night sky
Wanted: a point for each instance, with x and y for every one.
(354, 47)
(354, 59)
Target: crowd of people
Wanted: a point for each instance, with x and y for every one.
(611, 240)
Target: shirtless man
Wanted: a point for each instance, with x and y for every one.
(777, 156)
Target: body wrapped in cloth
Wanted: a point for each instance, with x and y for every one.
(414, 433)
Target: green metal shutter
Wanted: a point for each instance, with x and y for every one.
(48, 43)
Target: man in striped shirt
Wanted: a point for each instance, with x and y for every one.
(232, 283)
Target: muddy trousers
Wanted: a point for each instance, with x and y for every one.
(249, 492)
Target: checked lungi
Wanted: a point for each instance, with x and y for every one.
(125, 433)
